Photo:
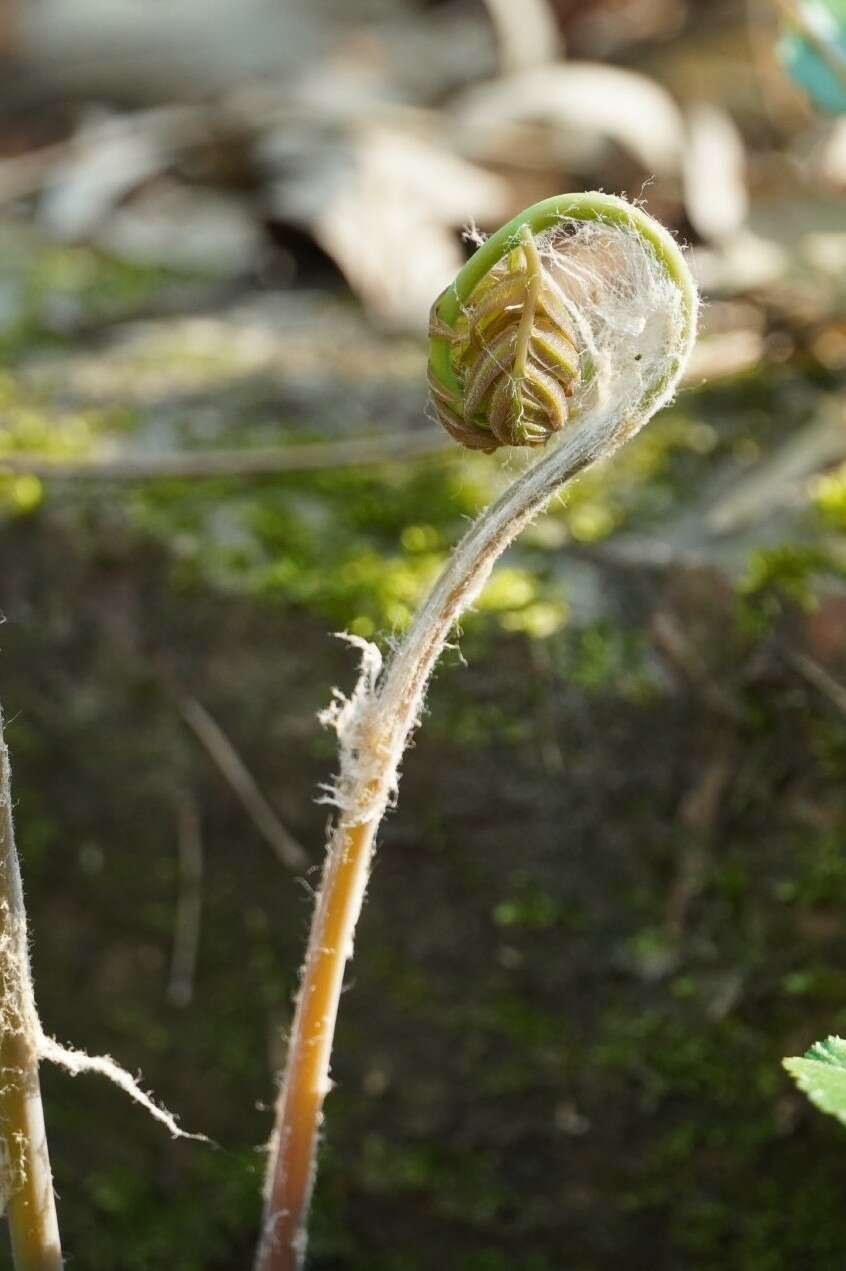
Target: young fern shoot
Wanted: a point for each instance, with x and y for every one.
(568, 329)
(26, 1183)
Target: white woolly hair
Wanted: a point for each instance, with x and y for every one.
(629, 314)
(636, 326)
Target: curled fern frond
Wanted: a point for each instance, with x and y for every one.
(546, 315)
(580, 305)
(515, 353)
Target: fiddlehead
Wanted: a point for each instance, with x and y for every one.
(546, 321)
(515, 352)
(581, 308)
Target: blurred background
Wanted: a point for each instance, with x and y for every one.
(612, 895)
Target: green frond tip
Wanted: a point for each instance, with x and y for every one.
(504, 355)
(821, 1075)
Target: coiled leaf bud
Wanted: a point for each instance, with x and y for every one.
(580, 306)
(514, 352)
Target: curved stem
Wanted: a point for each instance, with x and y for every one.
(372, 743)
(391, 716)
(25, 1176)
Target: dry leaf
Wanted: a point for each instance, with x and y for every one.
(587, 105)
(715, 190)
(391, 223)
(527, 33)
(107, 159)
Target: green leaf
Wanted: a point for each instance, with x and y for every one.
(821, 1075)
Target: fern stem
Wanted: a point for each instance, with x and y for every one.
(25, 1177)
(300, 1102)
(375, 735)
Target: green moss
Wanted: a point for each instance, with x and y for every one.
(129, 1213)
(828, 498)
(786, 573)
(328, 542)
(820, 868)
(528, 907)
(603, 656)
(56, 285)
(530, 1026)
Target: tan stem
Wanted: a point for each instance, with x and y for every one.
(375, 728)
(300, 1102)
(25, 1176)
(391, 717)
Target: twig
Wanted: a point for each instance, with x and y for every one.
(316, 456)
(697, 815)
(189, 905)
(819, 678)
(26, 1183)
(232, 463)
(674, 646)
(221, 751)
(776, 482)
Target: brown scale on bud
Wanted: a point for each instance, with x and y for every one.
(514, 353)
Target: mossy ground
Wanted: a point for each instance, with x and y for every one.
(610, 900)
